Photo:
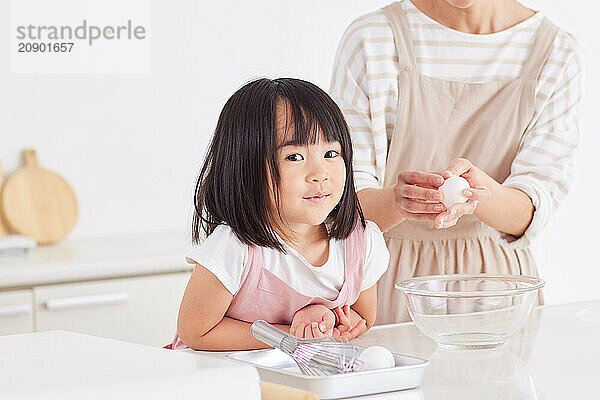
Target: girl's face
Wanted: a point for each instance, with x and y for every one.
(312, 179)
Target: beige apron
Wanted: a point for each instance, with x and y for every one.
(441, 120)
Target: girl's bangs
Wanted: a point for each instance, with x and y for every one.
(308, 114)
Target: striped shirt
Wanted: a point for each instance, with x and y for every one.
(365, 86)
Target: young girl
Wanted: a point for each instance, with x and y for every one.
(287, 241)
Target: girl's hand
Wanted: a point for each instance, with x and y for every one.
(344, 328)
(417, 197)
(313, 321)
(478, 192)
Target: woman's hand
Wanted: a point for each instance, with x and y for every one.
(313, 321)
(478, 192)
(417, 196)
(344, 328)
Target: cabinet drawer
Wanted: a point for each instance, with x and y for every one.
(16, 314)
(140, 309)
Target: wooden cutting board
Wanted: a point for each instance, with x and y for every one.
(273, 391)
(38, 203)
(3, 229)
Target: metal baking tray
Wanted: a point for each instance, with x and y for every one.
(275, 366)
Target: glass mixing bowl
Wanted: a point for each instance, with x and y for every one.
(476, 311)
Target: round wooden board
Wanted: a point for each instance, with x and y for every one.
(38, 203)
(3, 229)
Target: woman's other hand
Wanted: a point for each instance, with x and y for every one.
(478, 192)
(417, 196)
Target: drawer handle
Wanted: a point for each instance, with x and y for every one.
(15, 310)
(87, 301)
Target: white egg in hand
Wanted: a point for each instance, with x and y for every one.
(376, 357)
(452, 189)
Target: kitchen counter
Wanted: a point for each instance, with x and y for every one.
(61, 365)
(555, 356)
(75, 260)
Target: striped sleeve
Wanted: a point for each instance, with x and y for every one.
(365, 88)
(543, 167)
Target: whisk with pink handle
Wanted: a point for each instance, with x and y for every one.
(318, 356)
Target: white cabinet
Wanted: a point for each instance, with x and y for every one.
(125, 287)
(16, 314)
(139, 309)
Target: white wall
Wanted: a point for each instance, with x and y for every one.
(131, 145)
(565, 252)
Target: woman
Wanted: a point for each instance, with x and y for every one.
(489, 90)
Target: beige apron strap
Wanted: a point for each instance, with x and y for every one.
(404, 44)
(542, 45)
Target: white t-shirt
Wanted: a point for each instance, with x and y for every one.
(223, 254)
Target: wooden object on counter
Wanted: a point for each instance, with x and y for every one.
(3, 229)
(38, 203)
(273, 391)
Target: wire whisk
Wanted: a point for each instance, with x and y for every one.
(318, 356)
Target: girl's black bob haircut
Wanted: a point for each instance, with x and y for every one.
(233, 185)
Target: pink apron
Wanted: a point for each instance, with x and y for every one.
(263, 295)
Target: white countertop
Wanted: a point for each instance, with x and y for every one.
(96, 258)
(60, 365)
(555, 356)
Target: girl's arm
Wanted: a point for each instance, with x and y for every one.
(365, 307)
(350, 318)
(202, 324)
